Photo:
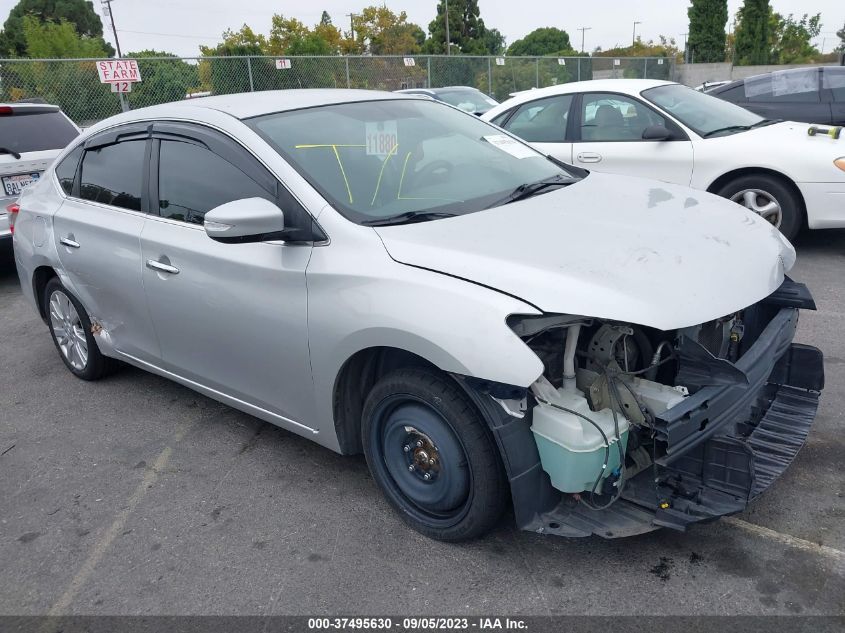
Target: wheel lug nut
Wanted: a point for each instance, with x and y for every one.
(431, 461)
(427, 476)
(406, 448)
(419, 443)
(411, 467)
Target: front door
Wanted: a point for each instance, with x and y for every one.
(609, 138)
(230, 317)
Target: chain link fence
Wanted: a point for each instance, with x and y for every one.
(74, 84)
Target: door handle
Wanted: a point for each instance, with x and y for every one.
(69, 242)
(164, 268)
(589, 157)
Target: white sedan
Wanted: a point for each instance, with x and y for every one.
(666, 131)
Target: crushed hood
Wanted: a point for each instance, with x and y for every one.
(611, 247)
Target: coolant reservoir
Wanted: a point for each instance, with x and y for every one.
(572, 451)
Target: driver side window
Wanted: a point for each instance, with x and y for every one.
(614, 118)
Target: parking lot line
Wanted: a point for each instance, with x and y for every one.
(102, 545)
(787, 539)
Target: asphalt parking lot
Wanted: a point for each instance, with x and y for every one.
(137, 496)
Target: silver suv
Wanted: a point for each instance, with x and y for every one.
(31, 136)
(388, 275)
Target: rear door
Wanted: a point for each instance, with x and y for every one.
(545, 124)
(230, 317)
(609, 138)
(791, 95)
(97, 231)
(36, 134)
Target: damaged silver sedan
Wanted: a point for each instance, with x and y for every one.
(387, 275)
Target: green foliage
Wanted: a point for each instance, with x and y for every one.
(707, 19)
(79, 13)
(47, 40)
(380, 31)
(224, 76)
(790, 39)
(753, 33)
(543, 41)
(841, 35)
(162, 80)
(467, 33)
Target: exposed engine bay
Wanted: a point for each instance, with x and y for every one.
(638, 428)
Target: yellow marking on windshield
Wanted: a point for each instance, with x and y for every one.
(343, 173)
(381, 172)
(402, 177)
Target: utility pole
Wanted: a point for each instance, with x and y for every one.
(634, 39)
(582, 29)
(108, 11)
(448, 42)
(351, 16)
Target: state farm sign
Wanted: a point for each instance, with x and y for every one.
(118, 70)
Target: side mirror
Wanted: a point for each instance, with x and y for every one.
(246, 220)
(656, 133)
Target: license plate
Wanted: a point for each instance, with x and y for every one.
(13, 185)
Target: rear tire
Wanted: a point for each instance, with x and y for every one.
(771, 198)
(432, 455)
(70, 328)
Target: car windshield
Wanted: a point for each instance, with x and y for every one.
(375, 160)
(24, 132)
(705, 114)
(467, 99)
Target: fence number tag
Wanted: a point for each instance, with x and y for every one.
(382, 138)
(500, 61)
(121, 86)
(282, 64)
(659, 62)
(510, 145)
(617, 62)
(409, 61)
(561, 61)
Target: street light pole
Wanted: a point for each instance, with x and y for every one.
(582, 29)
(448, 43)
(634, 40)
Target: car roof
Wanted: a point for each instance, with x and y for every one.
(624, 86)
(250, 104)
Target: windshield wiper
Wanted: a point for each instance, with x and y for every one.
(5, 150)
(530, 189)
(766, 122)
(409, 217)
(727, 128)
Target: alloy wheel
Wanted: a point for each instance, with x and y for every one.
(762, 203)
(68, 330)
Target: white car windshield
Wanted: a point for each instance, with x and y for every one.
(705, 114)
(377, 160)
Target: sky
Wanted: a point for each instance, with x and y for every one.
(181, 26)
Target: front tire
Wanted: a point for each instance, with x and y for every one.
(70, 328)
(769, 197)
(433, 456)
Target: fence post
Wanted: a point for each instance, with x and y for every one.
(645, 68)
(537, 73)
(428, 77)
(579, 69)
(489, 77)
(249, 71)
(348, 84)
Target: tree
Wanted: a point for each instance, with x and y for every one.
(466, 29)
(79, 13)
(380, 31)
(543, 41)
(163, 80)
(494, 42)
(50, 39)
(706, 41)
(224, 76)
(790, 39)
(841, 35)
(753, 33)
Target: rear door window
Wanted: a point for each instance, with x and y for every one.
(543, 120)
(114, 174)
(789, 86)
(23, 132)
(834, 80)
